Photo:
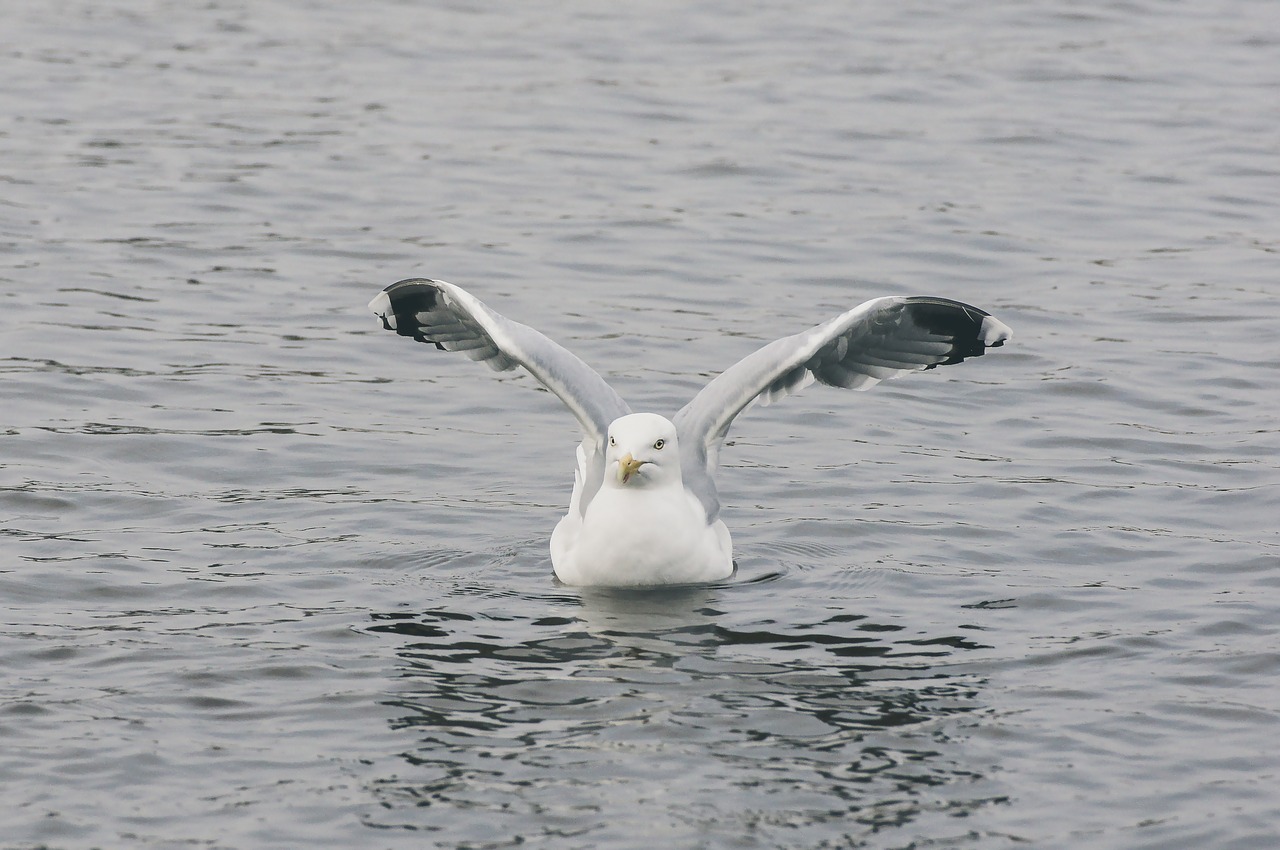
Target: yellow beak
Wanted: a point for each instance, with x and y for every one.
(627, 466)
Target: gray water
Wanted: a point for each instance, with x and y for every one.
(272, 577)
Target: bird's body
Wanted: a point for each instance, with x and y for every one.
(648, 529)
(644, 509)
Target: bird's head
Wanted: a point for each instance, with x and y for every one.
(642, 450)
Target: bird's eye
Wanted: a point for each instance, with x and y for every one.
(659, 444)
(612, 441)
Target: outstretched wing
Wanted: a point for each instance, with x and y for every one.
(447, 315)
(883, 338)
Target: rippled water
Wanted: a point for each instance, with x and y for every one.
(272, 577)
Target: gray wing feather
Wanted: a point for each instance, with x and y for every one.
(454, 320)
(880, 339)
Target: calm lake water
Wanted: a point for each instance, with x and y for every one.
(272, 577)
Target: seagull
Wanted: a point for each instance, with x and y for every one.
(644, 509)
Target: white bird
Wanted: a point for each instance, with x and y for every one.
(644, 509)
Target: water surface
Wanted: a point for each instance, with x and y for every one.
(272, 577)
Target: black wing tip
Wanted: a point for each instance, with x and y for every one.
(399, 304)
(944, 316)
(971, 330)
(418, 290)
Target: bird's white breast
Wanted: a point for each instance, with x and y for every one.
(633, 536)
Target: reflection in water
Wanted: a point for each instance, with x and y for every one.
(626, 712)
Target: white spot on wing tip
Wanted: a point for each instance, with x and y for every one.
(995, 332)
(381, 307)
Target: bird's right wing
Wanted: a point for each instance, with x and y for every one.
(454, 320)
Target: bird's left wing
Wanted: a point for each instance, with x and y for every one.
(454, 320)
(880, 339)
